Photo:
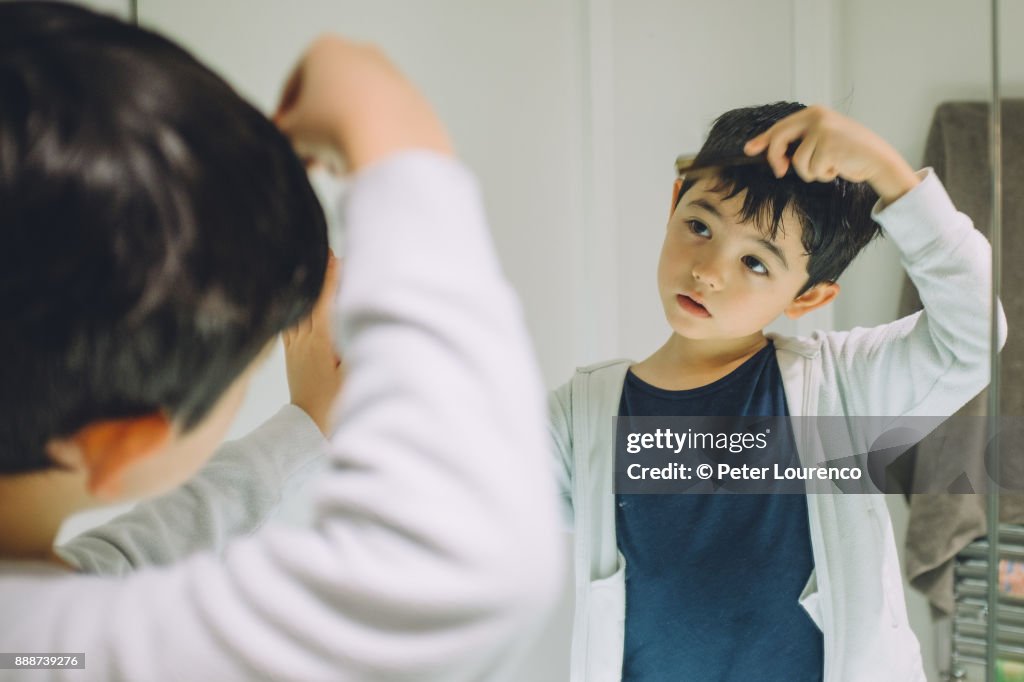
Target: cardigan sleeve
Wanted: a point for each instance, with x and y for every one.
(932, 362)
(560, 432)
(233, 495)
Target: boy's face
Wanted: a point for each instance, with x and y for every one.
(722, 279)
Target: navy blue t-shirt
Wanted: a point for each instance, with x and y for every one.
(713, 580)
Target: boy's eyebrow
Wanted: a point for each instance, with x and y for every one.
(776, 251)
(713, 210)
(707, 206)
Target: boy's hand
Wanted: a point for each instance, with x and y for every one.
(315, 372)
(347, 105)
(832, 146)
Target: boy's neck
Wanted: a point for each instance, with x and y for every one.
(32, 508)
(682, 363)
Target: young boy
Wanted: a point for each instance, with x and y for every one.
(769, 587)
(158, 233)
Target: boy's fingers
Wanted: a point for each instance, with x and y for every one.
(330, 280)
(284, 120)
(323, 304)
(803, 158)
(756, 145)
(823, 163)
(776, 154)
(821, 167)
(289, 94)
(783, 134)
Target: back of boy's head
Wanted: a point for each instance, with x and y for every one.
(835, 216)
(156, 231)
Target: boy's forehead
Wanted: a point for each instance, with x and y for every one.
(711, 196)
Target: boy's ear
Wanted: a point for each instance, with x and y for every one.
(819, 295)
(675, 197)
(106, 449)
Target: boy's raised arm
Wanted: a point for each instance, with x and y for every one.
(940, 355)
(434, 552)
(231, 496)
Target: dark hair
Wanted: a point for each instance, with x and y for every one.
(156, 231)
(835, 216)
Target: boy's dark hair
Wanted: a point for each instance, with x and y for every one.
(835, 216)
(156, 231)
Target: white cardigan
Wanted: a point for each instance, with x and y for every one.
(425, 561)
(926, 364)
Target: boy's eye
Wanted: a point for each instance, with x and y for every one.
(699, 228)
(755, 266)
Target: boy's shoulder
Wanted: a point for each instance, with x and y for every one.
(847, 342)
(807, 346)
(600, 381)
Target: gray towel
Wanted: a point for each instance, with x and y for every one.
(940, 524)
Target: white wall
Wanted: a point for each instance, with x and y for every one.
(678, 65)
(895, 72)
(572, 112)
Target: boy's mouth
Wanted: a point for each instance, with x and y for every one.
(691, 306)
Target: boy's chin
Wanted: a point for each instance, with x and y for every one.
(693, 332)
(700, 330)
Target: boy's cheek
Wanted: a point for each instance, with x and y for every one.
(671, 268)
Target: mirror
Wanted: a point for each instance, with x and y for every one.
(572, 112)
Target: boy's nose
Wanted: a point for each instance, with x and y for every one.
(707, 274)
